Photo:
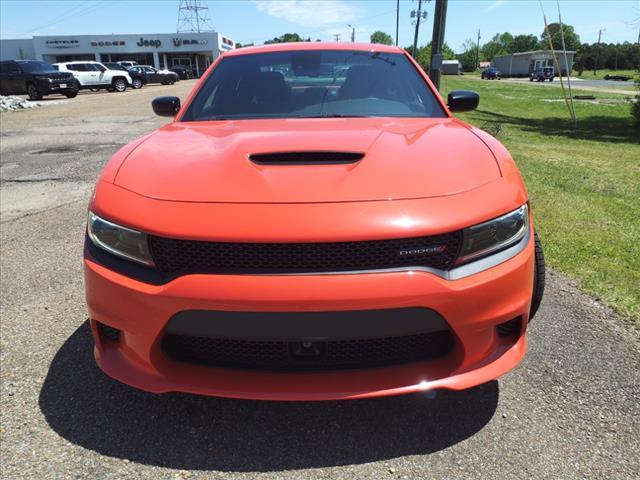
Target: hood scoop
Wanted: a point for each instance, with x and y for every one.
(306, 158)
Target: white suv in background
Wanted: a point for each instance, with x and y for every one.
(94, 76)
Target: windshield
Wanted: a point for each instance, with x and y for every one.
(311, 84)
(34, 67)
(115, 66)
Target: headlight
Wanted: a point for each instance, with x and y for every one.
(121, 241)
(497, 234)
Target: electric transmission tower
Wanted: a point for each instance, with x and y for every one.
(193, 16)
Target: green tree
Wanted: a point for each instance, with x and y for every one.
(571, 38)
(523, 43)
(468, 56)
(500, 44)
(381, 37)
(286, 38)
(424, 54)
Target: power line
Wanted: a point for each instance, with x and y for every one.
(77, 11)
(308, 32)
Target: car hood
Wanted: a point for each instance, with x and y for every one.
(403, 158)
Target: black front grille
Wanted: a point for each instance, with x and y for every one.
(326, 355)
(61, 76)
(189, 256)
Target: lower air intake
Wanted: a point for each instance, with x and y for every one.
(309, 355)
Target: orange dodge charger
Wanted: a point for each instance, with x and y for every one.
(313, 224)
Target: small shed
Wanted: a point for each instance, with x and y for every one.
(521, 64)
(450, 67)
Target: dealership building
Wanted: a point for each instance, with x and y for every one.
(161, 50)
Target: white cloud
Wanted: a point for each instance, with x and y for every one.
(309, 13)
(495, 4)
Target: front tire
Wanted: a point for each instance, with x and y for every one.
(71, 93)
(538, 277)
(120, 85)
(136, 83)
(33, 92)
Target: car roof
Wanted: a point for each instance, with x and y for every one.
(297, 46)
(76, 62)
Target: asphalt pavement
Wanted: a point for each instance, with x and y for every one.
(571, 410)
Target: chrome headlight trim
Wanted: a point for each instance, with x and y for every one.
(499, 233)
(135, 246)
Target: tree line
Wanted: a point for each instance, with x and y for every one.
(613, 56)
(619, 56)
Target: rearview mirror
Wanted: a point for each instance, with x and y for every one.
(462, 100)
(166, 106)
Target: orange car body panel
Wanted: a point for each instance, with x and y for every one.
(192, 180)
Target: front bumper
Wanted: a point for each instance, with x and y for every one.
(472, 306)
(56, 86)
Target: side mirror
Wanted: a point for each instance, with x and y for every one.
(166, 106)
(462, 100)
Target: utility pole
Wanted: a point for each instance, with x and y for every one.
(336, 37)
(353, 33)
(437, 41)
(595, 60)
(398, 21)
(478, 51)
(418, 15)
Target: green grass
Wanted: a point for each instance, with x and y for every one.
(600, 74)
(584, 183)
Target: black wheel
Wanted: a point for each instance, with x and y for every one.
(538, 278)
(33, 92)
(71, 93)
(136, 83)
(119, 84)
(531, 79)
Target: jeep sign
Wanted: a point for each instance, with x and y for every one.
(148, 43)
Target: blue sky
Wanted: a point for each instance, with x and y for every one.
(257, 21)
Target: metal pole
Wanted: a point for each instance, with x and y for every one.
(595, 60)
(397, 19)
(566, 66)
(439, 22)
(415, 37)
(478, 51)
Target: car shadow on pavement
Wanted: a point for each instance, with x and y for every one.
(182, 431)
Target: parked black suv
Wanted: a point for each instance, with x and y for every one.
(138, 78)
(542, 74)
(183, 72)
(36, 79)
(154, 75)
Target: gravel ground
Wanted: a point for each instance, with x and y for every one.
(571, 410)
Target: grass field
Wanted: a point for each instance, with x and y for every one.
(600, 74)
(584, 183)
